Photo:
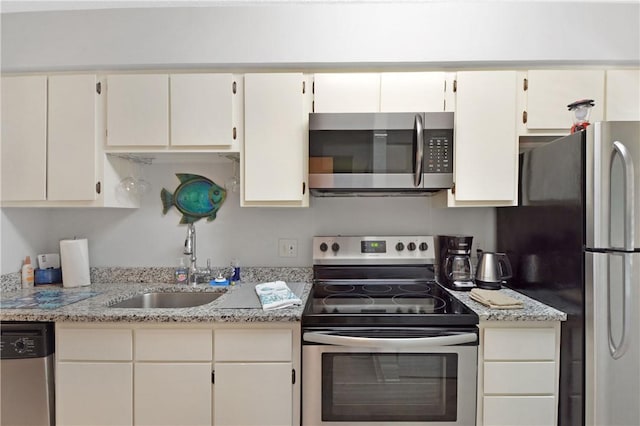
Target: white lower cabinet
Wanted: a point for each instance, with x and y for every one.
(518, 373)
(520, 410)
(156, 374)
(255, 368)
(94, 393)
(172, 394)
(253, 393)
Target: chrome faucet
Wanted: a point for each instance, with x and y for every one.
(190, 249)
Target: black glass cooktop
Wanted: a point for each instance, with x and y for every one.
(383, 302)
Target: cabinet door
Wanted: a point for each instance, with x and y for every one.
(349, 92)
(172, 394)
(24, 138)
(485, 144)
(72, 134)
(550, 91)
(276, 129)
(623, 95)
(94, 394)
(412, 91)
(201, 109)
(519, 411)
(138, 110)
(253, 394)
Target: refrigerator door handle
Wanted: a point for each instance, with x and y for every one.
(617, 351)
(629, 193)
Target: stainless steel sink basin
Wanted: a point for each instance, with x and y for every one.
(168, 300)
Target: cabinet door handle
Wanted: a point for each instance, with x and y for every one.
(235, 133)
(524, 117)
(213, 376)
(98, 187)
(293, 376)
(234, 87)
(525, 85)
(99, 87)
(304, 187)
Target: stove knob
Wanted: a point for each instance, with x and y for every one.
(411, 246)
(399, 246)
(335, 247)
(324, 247)
(423, 246)
(20, 346)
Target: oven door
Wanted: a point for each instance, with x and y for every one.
(376, 377)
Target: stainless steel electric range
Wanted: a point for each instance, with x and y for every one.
(383, 343)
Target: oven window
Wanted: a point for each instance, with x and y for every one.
(389, 387)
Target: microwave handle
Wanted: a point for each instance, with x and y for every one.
(400, 343)
(418, 130)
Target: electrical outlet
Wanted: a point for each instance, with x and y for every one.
(287, 248)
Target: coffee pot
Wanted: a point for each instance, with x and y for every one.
(492, 270)
(453, 267)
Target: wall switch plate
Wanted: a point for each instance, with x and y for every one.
(287, 247)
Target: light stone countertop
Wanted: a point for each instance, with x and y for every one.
(227, 308)
(533, 310)
(239, 304)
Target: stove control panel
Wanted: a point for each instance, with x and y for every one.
(353, 250)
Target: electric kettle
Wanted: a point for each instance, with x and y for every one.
(492, 269)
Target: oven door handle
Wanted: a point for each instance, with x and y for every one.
(400, 343)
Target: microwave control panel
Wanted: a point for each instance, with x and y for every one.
(438, 152)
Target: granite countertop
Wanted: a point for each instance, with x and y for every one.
(239, 303)
(532, 310)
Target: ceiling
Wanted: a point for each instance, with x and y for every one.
(14, 6)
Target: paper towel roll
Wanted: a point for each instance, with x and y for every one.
(74, 256)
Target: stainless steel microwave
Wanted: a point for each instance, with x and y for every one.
(380, 153)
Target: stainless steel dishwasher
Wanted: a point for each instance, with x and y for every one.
(26, 368)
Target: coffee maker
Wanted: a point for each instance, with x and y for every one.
(453, 267)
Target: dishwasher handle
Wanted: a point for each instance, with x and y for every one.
(382, 343)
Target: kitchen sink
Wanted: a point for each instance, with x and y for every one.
(168, 300)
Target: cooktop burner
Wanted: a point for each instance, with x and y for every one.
(382, 281)
(384, 303)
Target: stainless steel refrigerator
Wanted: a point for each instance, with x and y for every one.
(574, 243)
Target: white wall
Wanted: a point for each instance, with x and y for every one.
(433, 33)
(397, 35)
(144, 237)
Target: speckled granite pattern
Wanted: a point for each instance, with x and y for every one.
(116, 284)
(155, 274)
(9, 282)
(532, 310)
(96, 309)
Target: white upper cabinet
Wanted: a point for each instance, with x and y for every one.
(412, 91)
(379, 92)
(346, 92)
(485, 142)
(138, 110)
(548, 92)
(73, 107)
(623, 95)
(202, 109)
(24, 138)
(275, 154)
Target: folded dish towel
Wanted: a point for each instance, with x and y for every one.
(276, 295)
(495, 299)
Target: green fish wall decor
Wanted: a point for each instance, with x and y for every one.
(196, 197)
